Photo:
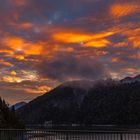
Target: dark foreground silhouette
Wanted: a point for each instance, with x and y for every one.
(108, 102)
(8, 118)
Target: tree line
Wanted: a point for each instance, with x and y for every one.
(8, 117)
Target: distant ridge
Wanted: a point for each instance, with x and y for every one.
(19, 105)
(104, 102)
(131, 79)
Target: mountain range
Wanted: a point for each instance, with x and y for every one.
(131, 79)
(87, 102)
(18, 105)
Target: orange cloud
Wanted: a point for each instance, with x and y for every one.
(130, 69)
(135, 56)
(6, 63)
(91, 40)
(20, 44)
(131, 32)
(133, 36)
(124, 9)
(121, 44)
(101, 53)
(24, 26)
(6, 51)
(19, 2)
(36, 90)
(18, 76)
(69, 50)
(97, 43)
(44, 89)
(135, 41)
(20, 57)
(115, 60)
(11, 79)
(14, 73)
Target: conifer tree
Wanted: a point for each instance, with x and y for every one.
(8, 118)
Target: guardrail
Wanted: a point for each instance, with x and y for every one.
(43, 134)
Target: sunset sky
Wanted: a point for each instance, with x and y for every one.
(46, 42)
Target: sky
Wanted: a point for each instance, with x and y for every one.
(44, 43)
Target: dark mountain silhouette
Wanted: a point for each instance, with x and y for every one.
(131, 79)
(137, 77)
(62, 102)
(104, 102)
(19, 105)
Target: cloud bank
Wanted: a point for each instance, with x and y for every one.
(48, 42)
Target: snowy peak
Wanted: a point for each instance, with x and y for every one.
(131, 79)
(19, 105)
(137, 77)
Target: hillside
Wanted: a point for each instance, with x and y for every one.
(18, 105)
(105, 103)
(60, 105)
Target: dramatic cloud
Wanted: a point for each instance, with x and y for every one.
(68, 67)
(90, 40)
(123, 9)
(46, 42)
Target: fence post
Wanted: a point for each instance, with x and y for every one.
(67, 136)
(121, 136)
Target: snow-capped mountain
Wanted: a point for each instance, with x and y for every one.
(19, 105)
(76, 100)
(131, 79)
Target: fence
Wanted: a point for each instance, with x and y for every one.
(68, 135)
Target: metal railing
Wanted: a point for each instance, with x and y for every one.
(43, 134)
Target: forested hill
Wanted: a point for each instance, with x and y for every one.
(105, 103)
(115, 104)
